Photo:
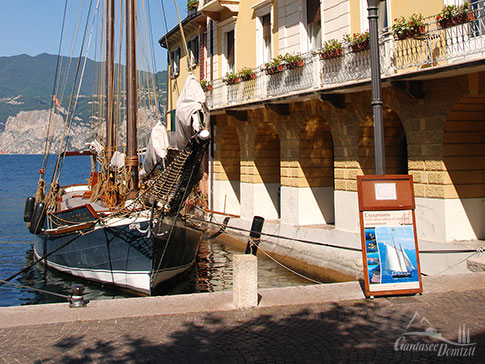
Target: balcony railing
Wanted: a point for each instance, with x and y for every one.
(438, 44)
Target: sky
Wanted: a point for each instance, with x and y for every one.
(33, 26)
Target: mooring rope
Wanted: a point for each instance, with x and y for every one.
(42, 258)
(34, 289)
(436, 251)
(283, 265)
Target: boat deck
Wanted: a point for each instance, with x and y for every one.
(73, 197)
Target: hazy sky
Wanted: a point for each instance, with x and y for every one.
(33, 26)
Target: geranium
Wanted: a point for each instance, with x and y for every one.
(357, 38)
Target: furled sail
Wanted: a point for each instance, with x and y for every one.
(191, 113)
(156, 149)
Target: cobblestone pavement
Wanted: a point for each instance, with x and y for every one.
(367, 331)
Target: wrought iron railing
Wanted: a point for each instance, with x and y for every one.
(439, 43)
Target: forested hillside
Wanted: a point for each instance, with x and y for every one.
(26, 83)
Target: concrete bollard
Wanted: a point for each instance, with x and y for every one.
(245, 281)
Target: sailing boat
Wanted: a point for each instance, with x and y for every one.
(397, 262)
(123, 227)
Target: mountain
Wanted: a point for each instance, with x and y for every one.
(26, 83)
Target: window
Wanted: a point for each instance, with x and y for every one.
(382, 12)
(228, 46)
(266, 44)
(193, 48)
(229, 51)
(174, 63)
(263, 12)
(314, 26)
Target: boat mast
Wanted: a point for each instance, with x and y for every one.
(110, 29)
(131, 161)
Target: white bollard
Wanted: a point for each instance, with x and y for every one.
(245, 281)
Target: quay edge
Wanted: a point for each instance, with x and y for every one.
(19, 316)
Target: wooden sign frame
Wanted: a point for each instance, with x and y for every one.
(390, 252)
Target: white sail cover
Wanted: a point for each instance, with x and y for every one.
(190, 102)
(118, 160)
(156, 149)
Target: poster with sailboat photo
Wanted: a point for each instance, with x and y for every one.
(391, 258)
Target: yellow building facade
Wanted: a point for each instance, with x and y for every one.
(289, 141)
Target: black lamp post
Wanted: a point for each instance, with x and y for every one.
(379, 152)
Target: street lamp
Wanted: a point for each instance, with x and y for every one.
(379, 152)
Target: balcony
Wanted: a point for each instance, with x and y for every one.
(219, 9)
(438, 47)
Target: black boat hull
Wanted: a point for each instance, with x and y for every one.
(124, 255)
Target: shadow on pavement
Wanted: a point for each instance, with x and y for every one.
(359, 331)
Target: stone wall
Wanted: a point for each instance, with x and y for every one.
(438, 139)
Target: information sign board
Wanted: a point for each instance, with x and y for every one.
(388, 234)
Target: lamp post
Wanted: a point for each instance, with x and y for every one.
(379, 153)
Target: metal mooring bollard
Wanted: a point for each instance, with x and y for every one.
(255, 235)
(77, 299)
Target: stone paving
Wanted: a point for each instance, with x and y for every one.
(356, 331)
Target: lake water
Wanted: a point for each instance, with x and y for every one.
(18, 180)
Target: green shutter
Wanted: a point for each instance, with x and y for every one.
(172, 120)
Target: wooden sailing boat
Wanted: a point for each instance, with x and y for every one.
(119, 229)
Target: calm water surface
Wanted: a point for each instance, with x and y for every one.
(18, 180)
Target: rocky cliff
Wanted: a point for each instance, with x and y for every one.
(26, 133)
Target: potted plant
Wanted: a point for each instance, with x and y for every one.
(357, 41)
(206, 85)
(464, 14)
(293, 61)
(231, 78)
(407, 28)
(274, 66)
(247, 74)
(192, 6)
(331, 48)
(452, 15)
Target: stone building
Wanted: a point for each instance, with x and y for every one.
(288, 144)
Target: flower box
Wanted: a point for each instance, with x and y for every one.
(295, 64)
(455, 20)
(357, 47)
(231, 81)
(420, 30)
(274, 69)
(331, 53)
(251, 76)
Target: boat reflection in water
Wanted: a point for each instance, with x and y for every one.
(212, 273)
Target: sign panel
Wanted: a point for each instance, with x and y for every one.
(389, 244)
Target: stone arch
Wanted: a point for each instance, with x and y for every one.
(316, 160)
(228, 171)
(463, 175)
(267, 165)
(395, 144)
